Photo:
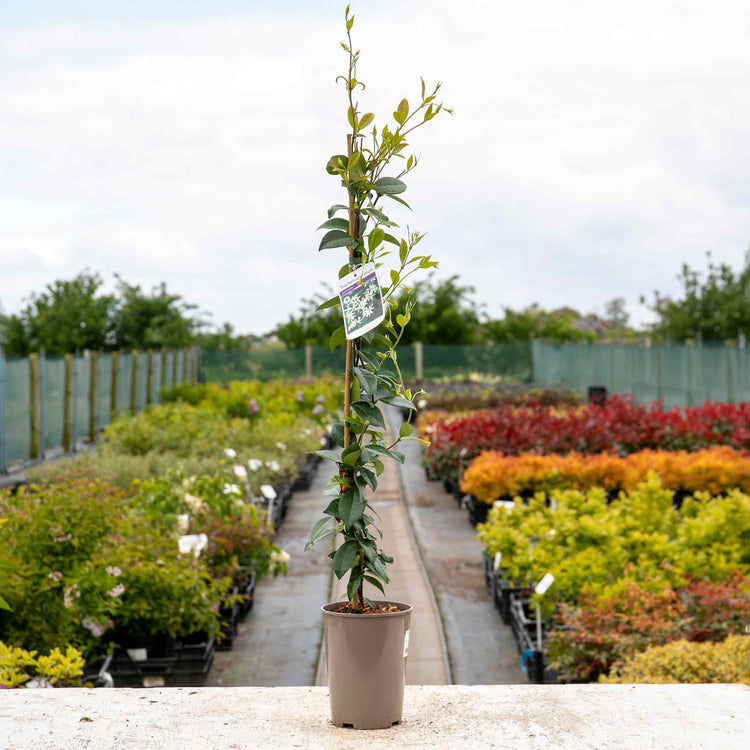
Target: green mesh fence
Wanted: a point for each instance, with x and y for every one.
(17, 407)
(511, 361)
(678, 375)
(15, 396)
(52, 387)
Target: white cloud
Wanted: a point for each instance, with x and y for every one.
(592, 151)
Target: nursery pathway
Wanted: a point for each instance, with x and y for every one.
(482, 650)
(278, 644)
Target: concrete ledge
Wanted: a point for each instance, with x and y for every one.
(504, 716)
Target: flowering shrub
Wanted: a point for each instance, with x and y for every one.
(493, 475)
(619, 426)
(686, 662)
(88, 563)
(601, 632)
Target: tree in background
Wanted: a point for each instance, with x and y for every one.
(149, 321)
(311, 326)
(66, 316)
(614, 313)
(716, 307)
(535, 323)
(443, 314)
(73, 315)
(223, 339)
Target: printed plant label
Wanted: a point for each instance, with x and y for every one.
(361, 301)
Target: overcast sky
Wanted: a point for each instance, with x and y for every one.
(595, 146)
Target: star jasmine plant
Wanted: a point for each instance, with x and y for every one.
(372, 375)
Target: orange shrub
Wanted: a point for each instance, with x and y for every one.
(493, 475)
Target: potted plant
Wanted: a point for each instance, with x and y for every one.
(365, 639)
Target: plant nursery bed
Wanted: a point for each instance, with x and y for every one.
(158, 661)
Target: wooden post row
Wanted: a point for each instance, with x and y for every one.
(115, 397)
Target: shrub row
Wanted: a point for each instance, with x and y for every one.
(629, 573)
(494, 476)
(620, 426)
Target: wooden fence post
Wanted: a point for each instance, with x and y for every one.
(418, 361)
(93, 393)
(174, 367)
(68, 404)
(134, 381)
(194, 365)
(308, 360)
(149, 376)
(163, 369)
(115, 399)
(185, 351)
(34, 406)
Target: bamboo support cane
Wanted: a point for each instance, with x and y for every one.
(349, 342)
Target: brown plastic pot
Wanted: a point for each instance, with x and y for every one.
(366, 664)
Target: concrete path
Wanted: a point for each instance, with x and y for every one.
(481, 648)
(279, 642)
(537, 717)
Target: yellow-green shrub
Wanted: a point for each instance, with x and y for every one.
(686, 662)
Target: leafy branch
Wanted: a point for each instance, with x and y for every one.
(368, 236)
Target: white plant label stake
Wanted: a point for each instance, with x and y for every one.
(541, 589)
(361, 301)
(497, 561)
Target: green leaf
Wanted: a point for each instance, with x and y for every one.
(375, 582)
(381, 450)
(338, 338)
(333, 508)
(365, 120)
(351, 507)
(399, 401)
(351, 115)
(390, 238)
(369, 477)
(368, 380)
(402, 112)
(4, 605)
(320, 530)
(398, 200)
(378, 567)
(337, 164)
(389, 186)
(369, 412)
(350, 456)
(370, 359)
(333, 302)
(405, 430)
(375, 238)
(336, 207)
(344, 558)
(337, 433)
(342, 224)
(403, 251)
(328, 455)
(336, 238)
(354, 580)
(386, 558)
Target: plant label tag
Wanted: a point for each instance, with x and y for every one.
(153, 680)
(544, 584)
(498, 559)
(361, 301)
(268, 492)
(406, 644)
(137, 654)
